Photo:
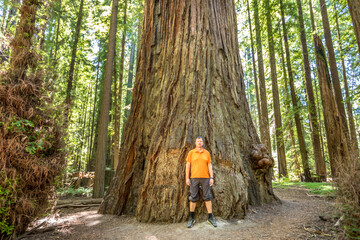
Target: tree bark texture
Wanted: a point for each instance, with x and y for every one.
(303, 150)
(100, 156)
(189, 83)
(336, 141)
(275, 91)
(264, 121)
(334, 70)
(353, 137)
(354, 7)
(314, 123)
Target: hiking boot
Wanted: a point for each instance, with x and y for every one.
(212, 222)
(191, 223)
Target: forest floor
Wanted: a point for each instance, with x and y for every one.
(300, 216)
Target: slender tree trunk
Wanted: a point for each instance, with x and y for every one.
(354, 7)
(336, 141)
(354, 143)
(303, 150)
(287, 105)
(105, 107)
(275, 90)
(72, 63)
(314, 124)
(264, 121)
(334, 71)
(117, 117)
(90, 164)
(254, 64)
(48, 5)
(200, 87)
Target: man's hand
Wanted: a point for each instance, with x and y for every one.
(188, 181)
(211, 182)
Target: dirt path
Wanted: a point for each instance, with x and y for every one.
(296, 218)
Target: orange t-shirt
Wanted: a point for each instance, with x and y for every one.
(199, 163)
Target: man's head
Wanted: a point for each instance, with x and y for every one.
(199, 142)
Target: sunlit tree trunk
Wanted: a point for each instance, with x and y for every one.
(314, 123)
(354, 7)
(189, 82)
(264, 121)
(275, 91)
(303, 150)
(100, 155)
(334, 70)
(353, 137)
(336, 141)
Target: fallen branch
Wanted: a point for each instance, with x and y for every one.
(77, 205)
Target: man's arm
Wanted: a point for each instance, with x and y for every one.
(187, 172)
(211, 174)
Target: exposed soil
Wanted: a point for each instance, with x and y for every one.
(296, 218)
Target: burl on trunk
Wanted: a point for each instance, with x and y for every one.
(189, 83)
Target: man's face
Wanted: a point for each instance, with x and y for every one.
(199, 143)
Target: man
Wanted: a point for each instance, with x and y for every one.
(199, 171)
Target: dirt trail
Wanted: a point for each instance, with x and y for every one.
(296, 218)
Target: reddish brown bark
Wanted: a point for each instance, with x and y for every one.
(189, 82)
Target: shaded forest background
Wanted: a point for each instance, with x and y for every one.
(283, 89)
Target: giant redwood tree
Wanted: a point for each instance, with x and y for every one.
(189, 82)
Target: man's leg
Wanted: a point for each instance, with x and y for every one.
(194, 197)
(207, 198)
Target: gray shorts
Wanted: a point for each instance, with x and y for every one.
(194, 189)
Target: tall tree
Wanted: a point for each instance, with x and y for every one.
(303, 150)
(334, 70)
(287, 106)
(314, 123)
(264, 121)
(187, 90)
(118, 97)
(73, 60)
(354, 7)
(276, 101)
(336, 141)
(100, 156)
(349, 108)
(253, 63)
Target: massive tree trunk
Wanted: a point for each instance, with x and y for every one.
(354, 7)
(314, 124)
(303, 150)
(264, 121)
(99, 180)
(254, 64)
(336, 141)
(353, 137)
(72, 63)
(275, 91)
(334, 71)
(189, 83)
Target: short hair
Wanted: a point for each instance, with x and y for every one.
(199, 138)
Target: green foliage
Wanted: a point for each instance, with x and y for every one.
(77, 192)
(7, 196)
(317, 188)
